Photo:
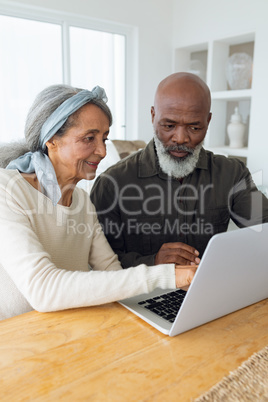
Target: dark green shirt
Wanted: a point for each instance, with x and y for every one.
(141, 208)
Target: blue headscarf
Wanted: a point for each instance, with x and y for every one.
(38, 161)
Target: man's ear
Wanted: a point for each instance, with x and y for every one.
(209, 117)
(152, 113)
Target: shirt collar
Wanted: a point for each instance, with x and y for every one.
(202, 162)
(149, 166)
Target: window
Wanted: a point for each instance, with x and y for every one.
(99, 57)
(31, 59)
(38, 51)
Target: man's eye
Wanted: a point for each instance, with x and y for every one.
(168, 126)
(89, 139)
(194, 128)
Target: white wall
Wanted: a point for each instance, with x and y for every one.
(199, 21)
(154, 40)
(163, 25)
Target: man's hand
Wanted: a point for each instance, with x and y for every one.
(177, 253)
(184, 275)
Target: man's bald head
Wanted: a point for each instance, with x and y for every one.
(183, 85)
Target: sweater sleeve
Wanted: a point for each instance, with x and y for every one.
(49, 288)
(101, 256)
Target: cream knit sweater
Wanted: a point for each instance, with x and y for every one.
(45, 251)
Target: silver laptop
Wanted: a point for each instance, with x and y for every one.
(233, 274)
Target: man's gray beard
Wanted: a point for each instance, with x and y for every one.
(177, 167)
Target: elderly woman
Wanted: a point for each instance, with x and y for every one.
(54, 254)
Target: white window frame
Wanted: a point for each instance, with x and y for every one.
(65, 20)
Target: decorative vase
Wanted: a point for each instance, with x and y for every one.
(197, 67)
(236, 130)
(239, 71)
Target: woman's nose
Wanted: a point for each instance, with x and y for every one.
(100, 149)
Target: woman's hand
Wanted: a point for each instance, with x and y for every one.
(184, 275)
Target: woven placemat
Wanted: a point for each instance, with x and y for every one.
(247, 383)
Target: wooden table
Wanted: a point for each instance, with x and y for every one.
(106, 353)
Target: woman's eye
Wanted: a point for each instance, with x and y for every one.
(89, 139)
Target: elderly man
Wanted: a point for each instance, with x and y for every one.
(163, 204)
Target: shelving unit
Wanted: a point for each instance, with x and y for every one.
(212, 57)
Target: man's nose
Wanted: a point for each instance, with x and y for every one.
(180, 135)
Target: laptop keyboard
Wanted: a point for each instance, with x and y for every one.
(166, 305)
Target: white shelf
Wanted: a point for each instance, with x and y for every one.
(214, 55)
(241, 94)
(227, 151)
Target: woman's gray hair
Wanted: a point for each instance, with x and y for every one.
(44, 105)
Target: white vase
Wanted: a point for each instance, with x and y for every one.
(239, 71)
(236, 130)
